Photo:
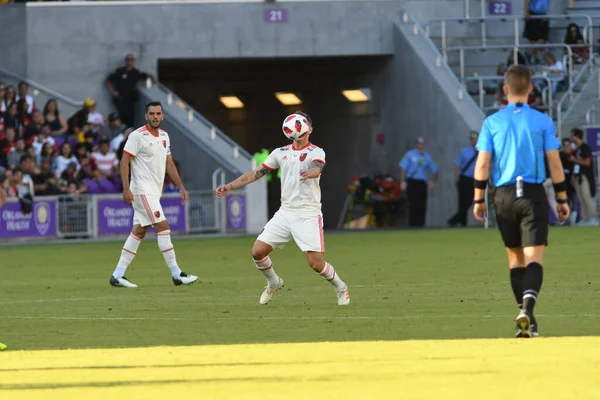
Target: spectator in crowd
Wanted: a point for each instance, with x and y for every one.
(122, 85)
(70, 181)
(583, 178)
(415, 168)
(90, 140)
(95, 119)
(23, 95)
(106, 160)
(27, 166)
(566, 151)
(537, 29)
(47, 154)
(465, 170)
(34, 128)
(42, 138)
(44, 181)
(65, 157)
(23, 115)
(89, 169)
(2, 100)
(13, 158)
(574, 39)
(10, 97)
(80, 118)
(11, 118)
(555, 71)
(118, 140)
(114, 127)
(57, 121)
(7, 143)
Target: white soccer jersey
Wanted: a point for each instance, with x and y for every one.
(296, 195)
(149, 162)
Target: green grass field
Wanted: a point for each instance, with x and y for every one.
(420, 285)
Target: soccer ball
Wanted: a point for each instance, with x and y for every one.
(295, 126)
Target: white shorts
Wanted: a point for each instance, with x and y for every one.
(306, 230)
(147, 210)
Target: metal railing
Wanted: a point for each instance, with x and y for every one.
(408, 18)
(589, 67)
(463, 49)
(587, 29)
(590, 115)
(546, 92)
(468, 8)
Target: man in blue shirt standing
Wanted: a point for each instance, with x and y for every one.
(414, 180)
(513, 142)
(465, 168)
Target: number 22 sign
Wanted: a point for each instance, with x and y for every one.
(276, 15)
(500, 8)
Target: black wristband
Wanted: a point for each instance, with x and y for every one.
(480, 184)
(561, 201)
(480, 201)
(560, 187)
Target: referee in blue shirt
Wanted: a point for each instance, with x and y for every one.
(513, 142)
(414, 169)
(465, 170)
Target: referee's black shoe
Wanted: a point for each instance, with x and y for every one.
(524, 325)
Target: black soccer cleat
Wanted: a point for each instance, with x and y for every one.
(184, 279)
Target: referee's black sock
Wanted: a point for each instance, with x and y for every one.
(532, 283)
(516, 282)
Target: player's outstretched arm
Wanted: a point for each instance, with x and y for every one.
(316, 168)
(558, 179)
(2, 197)
(246, 179)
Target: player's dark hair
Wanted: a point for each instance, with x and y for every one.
(578, 133)
(518, 80)
(305, 115)
(152, 104)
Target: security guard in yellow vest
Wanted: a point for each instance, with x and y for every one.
(261, 156)
(273, 188)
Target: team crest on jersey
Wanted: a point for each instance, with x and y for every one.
(165, 144)
(157, 214)
(303, 156)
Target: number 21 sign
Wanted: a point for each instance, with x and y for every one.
(500, 8)
(276, 15)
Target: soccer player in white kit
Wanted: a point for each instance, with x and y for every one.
(299, 216)
(148, 150)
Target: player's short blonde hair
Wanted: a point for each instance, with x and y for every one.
(518, 80)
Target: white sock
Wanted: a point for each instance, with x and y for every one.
(166, 248)
(129, 250)
(333, 278)
(266, 267)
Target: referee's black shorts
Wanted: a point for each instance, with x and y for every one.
(522, 222)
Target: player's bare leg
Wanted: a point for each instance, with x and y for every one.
(260, 255)
(326, 270)
(127, 254)
(163, 234)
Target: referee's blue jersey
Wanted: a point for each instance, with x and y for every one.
(517, 137)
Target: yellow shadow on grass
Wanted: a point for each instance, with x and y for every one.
(542, 368)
